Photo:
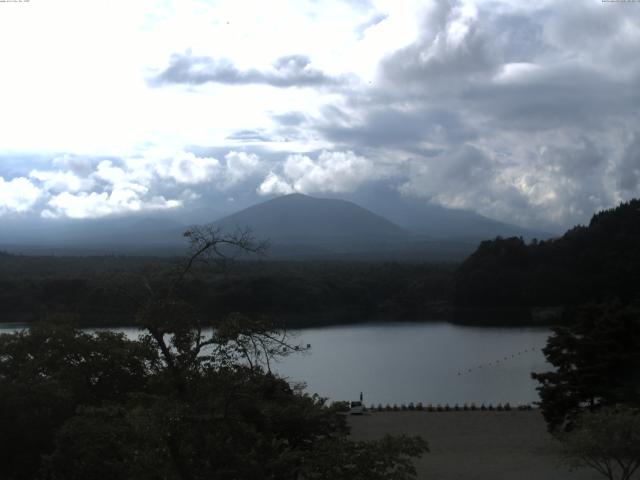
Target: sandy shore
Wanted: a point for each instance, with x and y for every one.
(475, 445)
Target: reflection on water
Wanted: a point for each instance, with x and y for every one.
(414, 362)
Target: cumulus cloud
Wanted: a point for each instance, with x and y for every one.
(330, 172)
(274, 185)
(92, 205)
(239, 166)
(78, 165)
(155, 180)
(17, 195)
(61, 181)
(287, 71)
(185, 167)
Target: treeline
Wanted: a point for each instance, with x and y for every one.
(105, 290)
(502, 282)
(599, 262)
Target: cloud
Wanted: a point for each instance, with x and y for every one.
(287, 71)
(78, 165)
(92, 205)
(249, 136)
(526, 112)
(157, 179)
(187, 168)
(374, 20)
(239, 166)
(274, 185)
(61, 181)
(333, 172)
(554, 187)
(17, 195)
(390, 127)
(628, 178)
(289, 119)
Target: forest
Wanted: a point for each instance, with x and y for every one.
(593, 263)
(503, 281)
(297, 293)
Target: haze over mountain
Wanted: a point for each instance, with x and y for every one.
(298, 226)
(418, 215)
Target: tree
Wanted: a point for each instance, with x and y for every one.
(48, 372)
(607, 441)
(597, 364)
(194, 397)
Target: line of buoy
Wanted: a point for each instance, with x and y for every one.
(497, 362)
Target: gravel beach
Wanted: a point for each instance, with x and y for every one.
(475, 445)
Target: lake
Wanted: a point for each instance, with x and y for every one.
(434, 362)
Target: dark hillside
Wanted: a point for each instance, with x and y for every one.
(594, 263)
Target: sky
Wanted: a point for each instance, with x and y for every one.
(526, 112)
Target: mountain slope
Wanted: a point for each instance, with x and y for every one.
(299, 217)
(419, 216)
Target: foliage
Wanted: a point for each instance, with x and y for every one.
(48, 372)
(594, 263)
(192, 398)
(298, 293)
(389, 457)
(607, 441)
(597, 363)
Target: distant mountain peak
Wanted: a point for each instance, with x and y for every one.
(310, 219)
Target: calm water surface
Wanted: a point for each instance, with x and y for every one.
(414, 362)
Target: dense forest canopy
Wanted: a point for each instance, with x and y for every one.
(302, 293)
(588, 263)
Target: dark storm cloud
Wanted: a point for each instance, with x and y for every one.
(541, 100)
(288, 71)
(390, 127)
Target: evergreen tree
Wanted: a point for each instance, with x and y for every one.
(597, 363)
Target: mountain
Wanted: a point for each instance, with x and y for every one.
(298, 216)
(119, 234)
(303, 227)
(298, 224)
(420, 216)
